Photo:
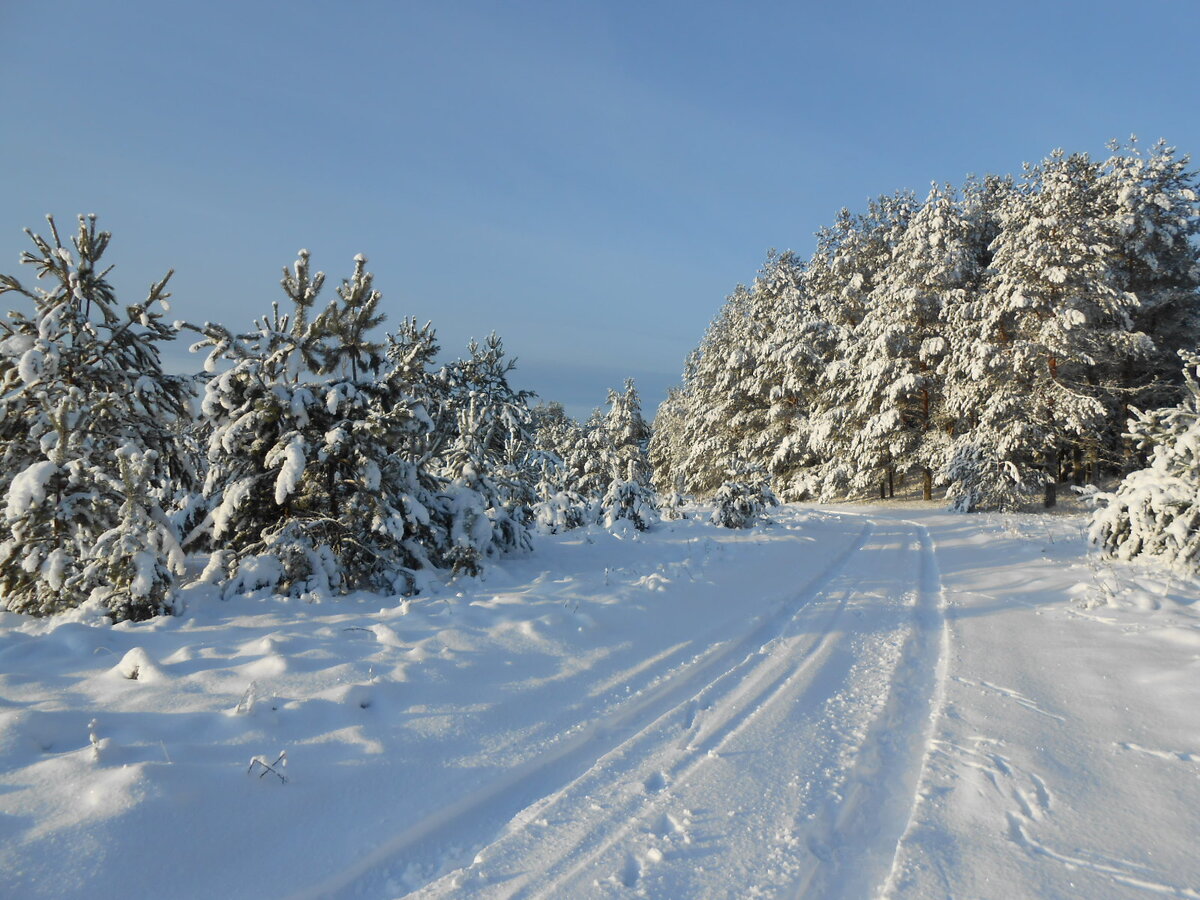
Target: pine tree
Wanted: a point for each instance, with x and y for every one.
(742, 499)
(134, 565)
(1029, 385)
(1155, 208)
(995, 345)
(559, 507)
(721, 395)
(89, 439)
(488, 483)
(629, 496)
(899, 349)
(845, 272)
(315, 483)
(589, 459)
(795, 350)
(665, 451)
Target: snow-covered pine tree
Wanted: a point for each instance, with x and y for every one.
(1155, 511)
(847, 268)
(588, 459)
(489, 485)
(1155, 204)
(1028, 385)
(896, 406)
(982, 204)
(793, 351)
(629, 496)
(722, 394)
(134, 565)
(314, 484)
(629, 433)
(975, 471)
(559, 507)
(665, 451)
(89, 447)
(741, 500)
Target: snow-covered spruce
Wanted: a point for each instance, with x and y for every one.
(1155, 511)
(89, 439)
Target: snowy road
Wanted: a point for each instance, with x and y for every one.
(808, 730)
(853, 703)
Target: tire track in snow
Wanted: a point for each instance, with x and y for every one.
(867, 713)
(720, 712)
(418, 852)
(857, 854)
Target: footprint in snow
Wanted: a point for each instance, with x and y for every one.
(631, 872)
(655, 783)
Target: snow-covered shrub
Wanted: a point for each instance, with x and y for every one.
(670, 506)
(629, 501)
(740, 503)
(977, 478)
(1155, 511)
(89, 439)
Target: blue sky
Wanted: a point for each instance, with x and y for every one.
(590, 180)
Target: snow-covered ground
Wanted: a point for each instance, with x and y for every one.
(852, 702)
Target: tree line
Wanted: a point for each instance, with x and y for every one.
(988, 342)
(312, 457)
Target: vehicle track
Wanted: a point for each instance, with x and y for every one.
(679, 702)
(814, 740)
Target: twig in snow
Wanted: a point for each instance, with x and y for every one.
(280, 762)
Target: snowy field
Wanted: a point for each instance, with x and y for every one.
(849, 703)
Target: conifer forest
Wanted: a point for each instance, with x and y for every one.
(989, 344)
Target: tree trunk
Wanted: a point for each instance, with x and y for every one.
(927, 484)
(891, 473)
(1051, 498)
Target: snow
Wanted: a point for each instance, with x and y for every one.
(861, 701)
(235, 495)
(28, 488)
(291, 468)
(31, 364)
